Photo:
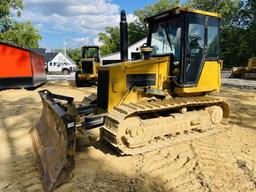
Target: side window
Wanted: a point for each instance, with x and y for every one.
(159, 42)
(213, 38)
(196, 38)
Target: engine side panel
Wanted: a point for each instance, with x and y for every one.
(146, 73)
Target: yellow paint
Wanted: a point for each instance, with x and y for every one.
(252, 63)
(118, 91)
(92, 76)
(199, 12)
(209, 81)
(87, 76)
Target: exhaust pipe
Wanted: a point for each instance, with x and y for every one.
(123, 37)
(83, 52)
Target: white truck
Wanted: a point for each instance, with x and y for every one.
(60, 68)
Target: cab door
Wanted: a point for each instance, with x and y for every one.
(195, 48)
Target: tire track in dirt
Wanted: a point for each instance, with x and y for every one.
(205, 164)
(247, 171)
(217, 163)
(172, 169)
(23, 174)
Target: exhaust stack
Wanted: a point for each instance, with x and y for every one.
(83, 52)
(123, 37)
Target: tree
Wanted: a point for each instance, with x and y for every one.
(137, 29)
(158, 7)
(21, 34)
(236, 41)
(110, 40)
(6, 6)
(75, 55)
(238, 37)
(227, 8)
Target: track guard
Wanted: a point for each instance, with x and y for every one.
(53, 140)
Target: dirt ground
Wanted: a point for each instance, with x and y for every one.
(224, 161)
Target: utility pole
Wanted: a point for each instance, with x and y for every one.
(65, 48)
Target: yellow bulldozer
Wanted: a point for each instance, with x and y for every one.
(247, 72)
(90, 61)
(141, 105)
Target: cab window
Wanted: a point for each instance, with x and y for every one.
(213, 37)
(166, 39)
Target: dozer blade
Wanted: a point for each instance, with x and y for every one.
(53, 140)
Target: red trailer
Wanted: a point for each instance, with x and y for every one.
(20, 68)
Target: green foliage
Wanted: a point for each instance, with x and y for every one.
(238, 37)
(75, 55)
(7, 5)
(158, 7)
(227, 8)
(110, 40)
(137, 29)
(21, 34)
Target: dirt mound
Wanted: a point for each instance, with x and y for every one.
(223, 161)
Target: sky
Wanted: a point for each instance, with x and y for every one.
(77, 22)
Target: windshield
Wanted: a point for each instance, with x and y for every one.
(166, 39)
(91, 53)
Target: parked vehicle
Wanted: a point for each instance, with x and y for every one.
(246, 72)
(61, 68)
(89, 64)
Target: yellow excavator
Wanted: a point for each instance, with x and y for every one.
(248, 72)
(90, 61)
(141, 105)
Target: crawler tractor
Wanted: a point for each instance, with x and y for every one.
(141, 105)
(248, 72)
(90, 61)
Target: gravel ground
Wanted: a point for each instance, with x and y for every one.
(69, 77)
(237, 83)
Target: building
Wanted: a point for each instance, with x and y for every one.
(58, 58)
(54, 57)
(133, 52)
(57, 62)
